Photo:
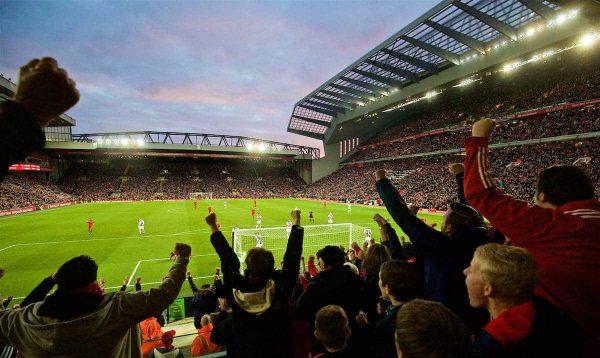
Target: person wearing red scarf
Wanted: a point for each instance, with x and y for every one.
(502, 280)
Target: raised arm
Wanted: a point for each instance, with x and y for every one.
(293, 251)
(458, 170)
(40, 292)
(506, 213)
(143, 304)
(190, 280)
(230, 264)
(389, 237)
(425, 239)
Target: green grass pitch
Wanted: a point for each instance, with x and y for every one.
(34, 245)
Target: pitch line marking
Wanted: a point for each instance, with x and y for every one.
(106, 239)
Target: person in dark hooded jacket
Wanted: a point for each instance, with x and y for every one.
(260, 323)
(445, 254)
(336, 284)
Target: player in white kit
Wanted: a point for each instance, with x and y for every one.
(288, 228)
(141, 226)
(258, 221)
(258, 238)
(330, 218)
(367, 235)
(349, 206)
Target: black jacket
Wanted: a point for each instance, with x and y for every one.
(334, 286)
(264, 335)
(445, 256)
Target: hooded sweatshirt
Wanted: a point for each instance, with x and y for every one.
(109, 331)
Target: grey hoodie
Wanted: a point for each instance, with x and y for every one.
(112, 330)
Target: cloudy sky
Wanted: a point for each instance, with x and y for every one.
(222, 67)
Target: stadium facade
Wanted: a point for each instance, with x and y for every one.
(449, 46)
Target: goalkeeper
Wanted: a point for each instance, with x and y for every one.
(260, 323)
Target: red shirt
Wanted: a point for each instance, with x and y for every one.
(564, 242)
(90, 223)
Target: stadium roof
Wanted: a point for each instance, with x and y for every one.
(180, 144)
(447, 36)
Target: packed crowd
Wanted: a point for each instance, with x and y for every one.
(515, 287)
(23, 190)
(568, 77)
(555, 124)
(138, 179)
(428, 186)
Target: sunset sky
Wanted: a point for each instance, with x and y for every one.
(220, 67)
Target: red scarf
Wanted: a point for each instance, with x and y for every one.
(93, 288)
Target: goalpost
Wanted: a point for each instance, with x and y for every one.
(203, 195)
(316, 237)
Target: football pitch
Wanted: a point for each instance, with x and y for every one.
(34, 245)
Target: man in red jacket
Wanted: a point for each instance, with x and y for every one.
(561, 231)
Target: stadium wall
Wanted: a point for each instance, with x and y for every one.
(327, 164)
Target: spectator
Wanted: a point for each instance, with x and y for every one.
(333, 331)
(426, 329)
(202, 344)
(166, 348)
(445, 253)
(560, 230)
(204, 300)
(151, 335)
(336, 284)
(86, 322)
(376, 255)
(501, 279)
(260, 322)
(399, 284)
(43, 92)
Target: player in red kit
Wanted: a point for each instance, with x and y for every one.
(324, 204)
(90, 223)
(195, 204)
(254, 205)
(210, 209)
(253, 211)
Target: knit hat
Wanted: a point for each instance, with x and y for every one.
(167, 338)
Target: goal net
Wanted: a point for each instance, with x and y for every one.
(202, 195)
(316, 237)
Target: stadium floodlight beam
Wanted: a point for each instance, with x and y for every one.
(588, 39)
(140, 142)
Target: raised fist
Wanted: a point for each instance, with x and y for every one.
(456, 168)
(380, 220)
(45, 89)
(211, 219)
(483, 127)
(296, 216)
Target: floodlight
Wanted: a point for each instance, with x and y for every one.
(530, 32)
(99, 141)
(140, 142)
(124, 141)
(262, 147)
(560, 19)
(250, 145)
(573, 13)
(507, 68)
(431, 94)
(496, 46)
(588, 39)
(504, 43)
(361, 103)
(535, 58)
